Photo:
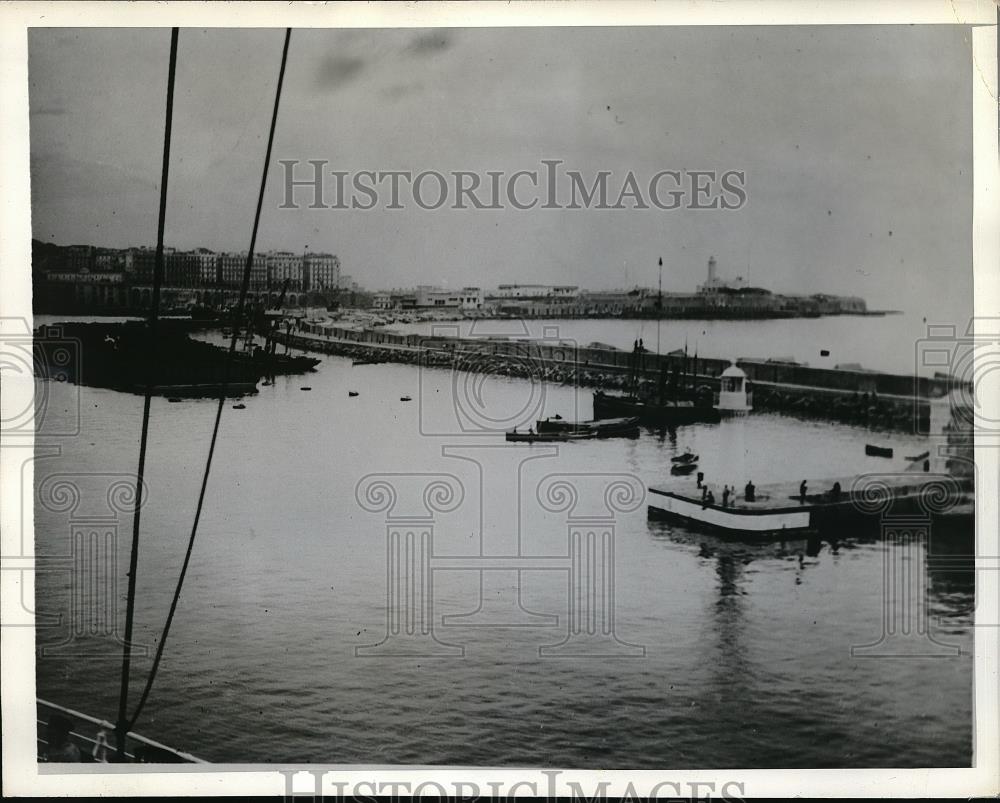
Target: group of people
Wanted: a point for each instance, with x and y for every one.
(728, 494)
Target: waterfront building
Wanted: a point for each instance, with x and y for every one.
(282, 265)
(232, 265)
(80, 258)
(208, 267)
(320, 271)
(180, 269)
(536, 291)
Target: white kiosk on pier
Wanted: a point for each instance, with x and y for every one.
(733, 398)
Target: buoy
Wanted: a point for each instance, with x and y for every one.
(306, 388)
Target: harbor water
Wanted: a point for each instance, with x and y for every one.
(745, 656)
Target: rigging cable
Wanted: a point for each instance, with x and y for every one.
(153, 328)
(244, 289)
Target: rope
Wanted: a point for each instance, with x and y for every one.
(121, 730)
(244, 288)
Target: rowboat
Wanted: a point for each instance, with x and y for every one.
(687, 457)
(877, 451)
(601, 428)
(547, 437)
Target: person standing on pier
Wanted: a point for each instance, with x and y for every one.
(802, 491)
(748, 492)
(725, 496)
(701, 480)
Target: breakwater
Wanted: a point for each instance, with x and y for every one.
(869, 398)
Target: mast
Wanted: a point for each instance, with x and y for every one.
(659, 307)
(121, 726)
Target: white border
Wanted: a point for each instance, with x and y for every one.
(20, 772)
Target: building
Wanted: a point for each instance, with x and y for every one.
(208, 267)
(713, 284)
(180, 268)
(282, 265)
(536, 291)
(139, 264)
(232, 265)
(80, 258)
(320, 271)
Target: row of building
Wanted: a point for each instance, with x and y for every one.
(715, 298)
(198, 268)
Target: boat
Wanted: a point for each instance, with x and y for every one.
(405, 398)
(668, 413)
(601, 428)
(687, 457)
(878, 451)
(239, 407)
(921, 456)
(352, 393)
(306, 387)
(547, 437)
(777, 512)
(683, 468)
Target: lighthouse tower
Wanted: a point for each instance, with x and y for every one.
(733, 399)
(711, 272)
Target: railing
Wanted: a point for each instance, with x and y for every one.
(95, 748)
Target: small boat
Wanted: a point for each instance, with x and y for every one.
(239, 407)
(601, 428)
(306, 387)
(352, 393)
(877, 451)
(687, 457)
(921, 456)
(406, 398)
(683, 468)
(548, 437)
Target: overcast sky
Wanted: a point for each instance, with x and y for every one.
(856, 143)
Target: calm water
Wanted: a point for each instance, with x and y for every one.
(747, 648)
(885, 343)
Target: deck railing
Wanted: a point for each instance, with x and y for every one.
(86, 732)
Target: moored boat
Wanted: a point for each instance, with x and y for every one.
(878, 451)
(547, 437)
(601, 428)
(669, 413)
(776, 511)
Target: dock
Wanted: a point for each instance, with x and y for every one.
(778, 509)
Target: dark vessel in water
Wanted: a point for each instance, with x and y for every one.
(599, 428)
(652, 411)
(122, 356)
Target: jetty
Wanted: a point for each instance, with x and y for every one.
(849, 395)
(780, 510)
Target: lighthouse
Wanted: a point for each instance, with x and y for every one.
(711, 272)
(733, 399)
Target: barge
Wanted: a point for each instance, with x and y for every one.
(776, 511)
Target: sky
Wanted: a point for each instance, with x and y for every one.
(855, 142)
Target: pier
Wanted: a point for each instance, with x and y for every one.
(868, 398)
(780, 509)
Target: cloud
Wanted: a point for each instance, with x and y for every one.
(433, 41)
(336, 71)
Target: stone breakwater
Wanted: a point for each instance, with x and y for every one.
(852, 397)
